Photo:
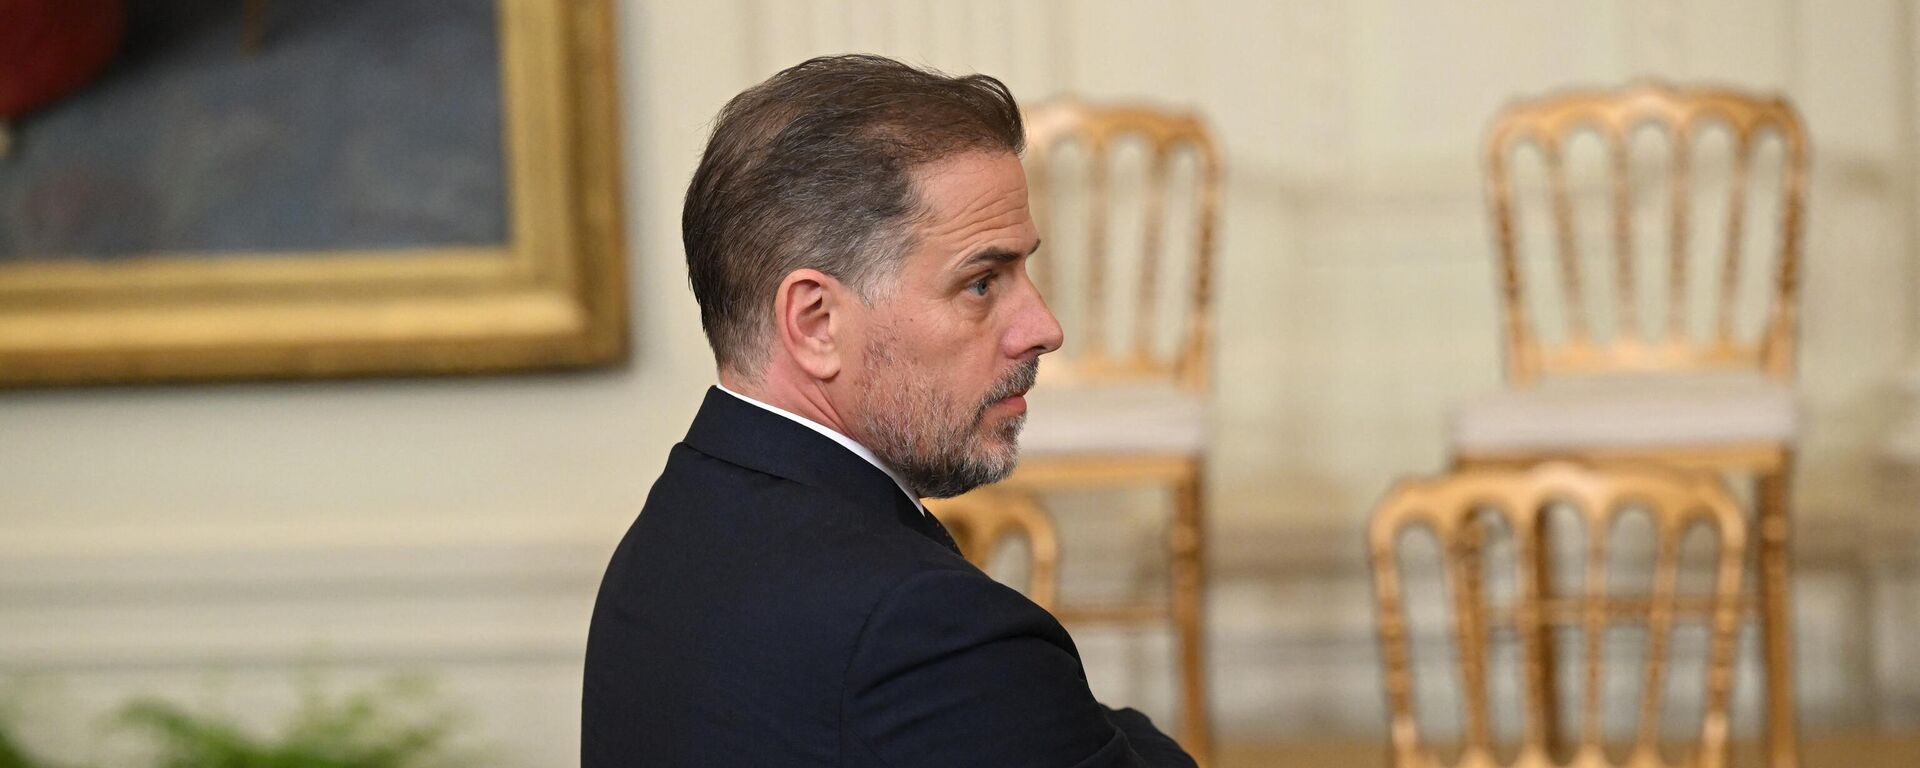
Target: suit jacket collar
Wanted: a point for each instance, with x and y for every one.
(735, 431)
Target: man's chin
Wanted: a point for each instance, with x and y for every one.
(1000, 444)
(1000, 465)
(982, 471)
(1007, 432)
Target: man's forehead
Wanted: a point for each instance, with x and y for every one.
(962, 161)
(977, 195)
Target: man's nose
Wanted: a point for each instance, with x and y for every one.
(1036, 331)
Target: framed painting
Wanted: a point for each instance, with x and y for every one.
(308, 188)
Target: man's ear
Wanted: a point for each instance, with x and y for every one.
(810, 319)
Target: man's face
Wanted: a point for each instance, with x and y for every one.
(950, 351)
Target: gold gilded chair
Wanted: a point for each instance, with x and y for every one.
(1124, 404)
(1460, 510)
(980, 521)
(1695, 391)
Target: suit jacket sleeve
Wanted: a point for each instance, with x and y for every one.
(953, 669)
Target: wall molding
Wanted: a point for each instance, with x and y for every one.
(1291, 616)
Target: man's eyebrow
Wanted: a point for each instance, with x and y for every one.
(994, 256)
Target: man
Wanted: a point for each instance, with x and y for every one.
(857, 235)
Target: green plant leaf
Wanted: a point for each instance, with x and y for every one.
(12, 755)
(371, 728)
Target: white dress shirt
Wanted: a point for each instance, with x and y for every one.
(846, 442)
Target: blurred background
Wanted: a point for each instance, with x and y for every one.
(217, 543)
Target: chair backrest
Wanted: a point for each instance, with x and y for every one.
(1456, 509)
(1683, 117)
(1100, 135)
(980, 520)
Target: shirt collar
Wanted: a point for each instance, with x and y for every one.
(844, 441)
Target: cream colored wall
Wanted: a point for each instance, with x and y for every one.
(203, 541)
(458, 525)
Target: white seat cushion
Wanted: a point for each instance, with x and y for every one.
(1628, 411)
(1109, 420)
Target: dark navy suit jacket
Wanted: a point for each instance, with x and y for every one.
(780, 602)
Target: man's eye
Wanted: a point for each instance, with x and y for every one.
(980, 286)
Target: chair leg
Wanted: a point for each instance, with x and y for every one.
(1543, 640)
(1189, 593)
(1776, 617)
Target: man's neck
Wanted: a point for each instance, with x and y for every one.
(836, 435)
(807, 400)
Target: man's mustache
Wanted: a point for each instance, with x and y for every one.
(1018, 380)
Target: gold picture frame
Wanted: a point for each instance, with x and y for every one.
(552, 296)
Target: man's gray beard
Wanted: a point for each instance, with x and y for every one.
(939, 452)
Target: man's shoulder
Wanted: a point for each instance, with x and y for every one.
(718, 489)
(721, 552)
(706, 512)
